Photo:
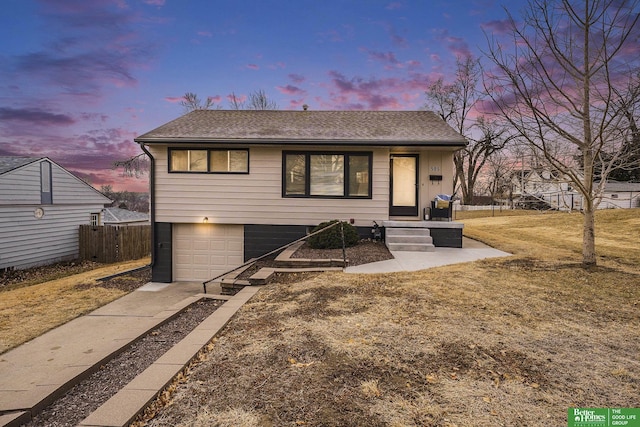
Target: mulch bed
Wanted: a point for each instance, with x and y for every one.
(91, 393)
(365, 252)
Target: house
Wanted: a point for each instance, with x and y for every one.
(624, 195)
(41, 206)
(541, 188)
(123, 217)
(228, 186)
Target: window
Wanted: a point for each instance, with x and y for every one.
(333, 175)
(209, 161)
(45, 183)
(95, 219)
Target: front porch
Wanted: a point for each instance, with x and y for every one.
(405, 234)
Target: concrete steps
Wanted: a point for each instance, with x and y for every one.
(409, 239)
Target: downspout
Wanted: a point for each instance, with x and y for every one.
(152, 204)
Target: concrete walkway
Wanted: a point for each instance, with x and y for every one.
(471, 250)
(39, 371)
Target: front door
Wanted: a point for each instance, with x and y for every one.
(404, 185)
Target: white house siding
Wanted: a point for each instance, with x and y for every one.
(28, 241)
(21, 186)
(256, 198)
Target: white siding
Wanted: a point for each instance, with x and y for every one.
(256, 198)
(22, 187)
(26, 241)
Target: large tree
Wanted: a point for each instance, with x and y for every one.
(559, 82)
(457, 103)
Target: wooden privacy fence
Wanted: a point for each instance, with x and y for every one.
(112, 243)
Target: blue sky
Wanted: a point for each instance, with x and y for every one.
(79, 79)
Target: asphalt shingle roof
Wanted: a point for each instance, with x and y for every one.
(115, 215)
(329, 127)
(9, 163)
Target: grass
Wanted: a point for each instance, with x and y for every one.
(511, 341)
(28, 311)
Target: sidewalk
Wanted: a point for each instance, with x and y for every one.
(37, 372)
(471, 250)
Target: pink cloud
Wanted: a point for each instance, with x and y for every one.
(154, 2)
(174, 99)
(252, 67)
(296, 78)
(394, 5)
(357, 93)
(458, 47)
(205, 34)
(499, 27)
(291, 90)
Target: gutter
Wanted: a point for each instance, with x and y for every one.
(152, 202)
(281, 142)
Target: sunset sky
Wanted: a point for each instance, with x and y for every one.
(79, 79)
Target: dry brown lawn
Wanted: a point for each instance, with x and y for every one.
(512, 341)
(28, 311)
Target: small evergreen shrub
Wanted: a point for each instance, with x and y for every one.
(331, 239)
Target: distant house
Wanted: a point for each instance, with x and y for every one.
(543, 188)
(41, 206)
(620, 195)
(554, 191)
(118, 216)
(227, 186)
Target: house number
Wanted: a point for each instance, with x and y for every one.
(434, 168)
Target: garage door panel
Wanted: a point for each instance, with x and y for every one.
(200, 245)
(182, 244)
(203, 251)
(234, 246)
(235, 260)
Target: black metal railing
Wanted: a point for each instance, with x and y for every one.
(281, 248)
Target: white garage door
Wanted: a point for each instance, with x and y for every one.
(203, 251)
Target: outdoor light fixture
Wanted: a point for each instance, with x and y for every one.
(205, 220)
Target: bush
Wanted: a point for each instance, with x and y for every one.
(331, 239)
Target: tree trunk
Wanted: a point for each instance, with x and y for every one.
(589, 236)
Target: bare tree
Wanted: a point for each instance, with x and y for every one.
(191, 102)
(133, 166)
(258, 100)
(457, 103)
(555, 84)
(499, 172)
(235, 102)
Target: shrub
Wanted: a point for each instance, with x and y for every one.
(331, 238)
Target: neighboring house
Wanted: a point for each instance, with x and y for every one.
(227, 186)
(41, 207)
(556, 192)
(118, 216)
(543, 187)
(620, 195)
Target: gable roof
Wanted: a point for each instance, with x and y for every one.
(9, 163)
(621, 187)
(417, 128)
(117, 215)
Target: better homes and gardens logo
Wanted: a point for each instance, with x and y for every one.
(603, 417)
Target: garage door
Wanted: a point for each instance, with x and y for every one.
(203, 251)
